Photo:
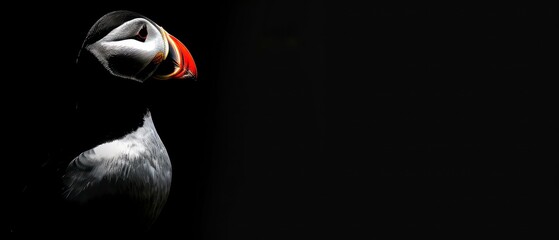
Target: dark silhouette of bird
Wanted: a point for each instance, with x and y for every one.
(119, 175)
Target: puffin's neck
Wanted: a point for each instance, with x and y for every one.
(107, 107)
(112, 113)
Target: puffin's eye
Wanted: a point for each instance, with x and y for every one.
(142, 34)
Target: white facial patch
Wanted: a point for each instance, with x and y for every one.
(123, 55)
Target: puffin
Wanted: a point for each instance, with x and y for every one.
(120, 177)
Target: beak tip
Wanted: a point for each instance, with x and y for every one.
(190, 75)
(180, 60)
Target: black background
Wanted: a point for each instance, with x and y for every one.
(316, 120)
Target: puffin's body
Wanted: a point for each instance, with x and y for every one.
(126, 180)
(121, 179)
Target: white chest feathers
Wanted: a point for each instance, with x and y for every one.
(138, 159)
(131, 148)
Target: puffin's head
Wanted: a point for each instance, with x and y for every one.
(131, 46)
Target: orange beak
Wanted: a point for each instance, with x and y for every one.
(177, 62)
